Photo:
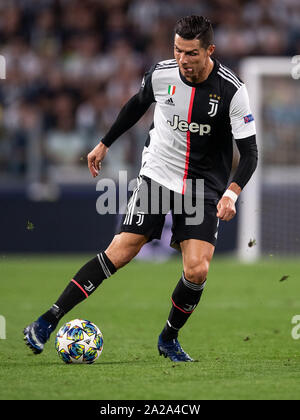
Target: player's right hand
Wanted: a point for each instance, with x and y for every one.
(95, 157)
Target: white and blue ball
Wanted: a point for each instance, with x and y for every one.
(79, 341)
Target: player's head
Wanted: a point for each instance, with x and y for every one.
(193, 44)
(195, 27)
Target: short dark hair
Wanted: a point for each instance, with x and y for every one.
(195, 27)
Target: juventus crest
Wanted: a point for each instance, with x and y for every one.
(140, 220)
(214, 103)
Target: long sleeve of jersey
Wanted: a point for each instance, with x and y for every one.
(244, 132)
(248, 160)
(132, 111)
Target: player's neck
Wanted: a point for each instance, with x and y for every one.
(203, 75)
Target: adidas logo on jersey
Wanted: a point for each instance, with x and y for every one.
(170, 102)
(192, 127)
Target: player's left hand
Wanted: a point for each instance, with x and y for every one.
(226, 209)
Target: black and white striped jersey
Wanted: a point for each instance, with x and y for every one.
(191, 135)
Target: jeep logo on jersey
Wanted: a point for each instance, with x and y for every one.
(192, 127)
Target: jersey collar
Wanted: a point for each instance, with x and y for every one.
(210, 76)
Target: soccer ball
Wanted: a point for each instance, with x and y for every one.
(79, 341)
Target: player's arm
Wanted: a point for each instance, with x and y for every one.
(243, 129)
(129, 115)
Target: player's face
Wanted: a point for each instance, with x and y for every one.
(191, 57)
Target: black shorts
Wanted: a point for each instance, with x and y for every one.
(148, 218)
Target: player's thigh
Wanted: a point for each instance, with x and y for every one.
(196, 258)
(124, 247)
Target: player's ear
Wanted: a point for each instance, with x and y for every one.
(211, 49)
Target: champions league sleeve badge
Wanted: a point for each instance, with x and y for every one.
(248, 118)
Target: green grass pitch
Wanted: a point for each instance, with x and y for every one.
(240, 333)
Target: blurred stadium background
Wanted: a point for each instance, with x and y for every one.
(71, 65)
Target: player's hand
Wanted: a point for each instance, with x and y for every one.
(226, 209)
(95, 157)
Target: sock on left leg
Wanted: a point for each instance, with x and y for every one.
(185, 299)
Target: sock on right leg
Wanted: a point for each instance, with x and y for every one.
(84, 283)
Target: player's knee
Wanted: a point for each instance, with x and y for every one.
(121, 256)
(126, 255)
(121, 250)
(196, 271)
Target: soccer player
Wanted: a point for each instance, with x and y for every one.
(200, 105)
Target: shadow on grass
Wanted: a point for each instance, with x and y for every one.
(38, 363)
(33, 362)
